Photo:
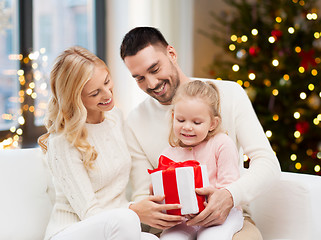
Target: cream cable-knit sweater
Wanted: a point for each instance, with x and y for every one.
(147, 137)
(81, 193)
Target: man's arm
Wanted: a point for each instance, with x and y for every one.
(148, 208)
(139, 177)
(264, 169)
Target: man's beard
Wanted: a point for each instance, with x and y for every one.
(173, 88)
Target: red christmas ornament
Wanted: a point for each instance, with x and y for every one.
(307, 59)
(277, 34)
(253, 51)
(302, 127)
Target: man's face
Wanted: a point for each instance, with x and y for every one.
(155, 71)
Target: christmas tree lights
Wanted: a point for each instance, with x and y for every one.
(30, 87)
(273, 50)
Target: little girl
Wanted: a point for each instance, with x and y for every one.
(196, 135)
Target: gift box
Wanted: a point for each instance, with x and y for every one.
(177, 181)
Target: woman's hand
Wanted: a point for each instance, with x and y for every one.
(150, 212)
(219, 205)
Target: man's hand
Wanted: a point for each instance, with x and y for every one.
(150, 212)
(219, 204)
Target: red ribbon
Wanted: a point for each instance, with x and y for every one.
(171, 190)
(199, 184)
(164, 163)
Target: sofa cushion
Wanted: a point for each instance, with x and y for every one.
(288, 210)
(25, 205)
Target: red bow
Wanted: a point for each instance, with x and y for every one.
(277, 34)
(307, 59)
(164, 163)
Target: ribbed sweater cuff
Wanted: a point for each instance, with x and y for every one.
(235, 192)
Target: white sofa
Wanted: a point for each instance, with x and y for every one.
(290, 210)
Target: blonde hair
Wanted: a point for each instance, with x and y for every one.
(66, 112)
(208, 92)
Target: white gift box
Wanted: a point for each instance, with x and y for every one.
(178, 185)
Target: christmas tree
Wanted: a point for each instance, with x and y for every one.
(272, 48)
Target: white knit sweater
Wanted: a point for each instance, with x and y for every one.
(147, 136)
(81, 193)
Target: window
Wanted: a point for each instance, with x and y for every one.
(57, 24)
(9, 65)
(37, 32)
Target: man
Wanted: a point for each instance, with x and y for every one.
(153, 64)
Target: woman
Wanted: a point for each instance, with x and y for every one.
(86, 153)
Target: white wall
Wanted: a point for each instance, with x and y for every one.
(204, 48)
(172, 17)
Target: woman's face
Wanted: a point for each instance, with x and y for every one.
(97, 94)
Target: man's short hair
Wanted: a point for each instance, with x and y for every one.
(140, 37)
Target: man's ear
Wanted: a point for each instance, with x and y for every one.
(171, 53)
(215, 122)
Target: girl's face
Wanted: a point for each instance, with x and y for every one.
(192, 121)
(97, 95)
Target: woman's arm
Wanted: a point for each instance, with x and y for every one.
(71, 177)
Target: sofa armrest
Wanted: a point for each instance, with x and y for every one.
(291, 209)
(25, 205)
